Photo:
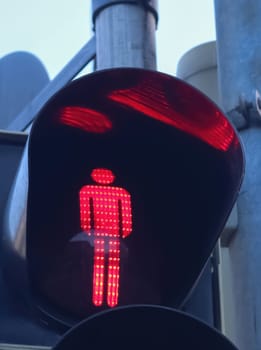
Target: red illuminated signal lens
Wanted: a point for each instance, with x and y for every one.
(151, 100)
(105, 213)
(85, 119)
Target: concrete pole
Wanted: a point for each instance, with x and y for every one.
(239, 64)
(125, 33)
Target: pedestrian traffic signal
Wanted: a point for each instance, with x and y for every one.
(131, 177)
(110, 208)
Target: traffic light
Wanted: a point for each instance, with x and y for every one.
(131, 175)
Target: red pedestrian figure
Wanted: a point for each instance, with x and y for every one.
(105, 213)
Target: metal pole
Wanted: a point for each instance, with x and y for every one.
(239, 64)
(239, 50)
(125, 33)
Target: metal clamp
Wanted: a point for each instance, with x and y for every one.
(99, 5)
(246, 114)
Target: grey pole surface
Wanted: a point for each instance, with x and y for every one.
(239, 63)
(239, 50)
(125, 33)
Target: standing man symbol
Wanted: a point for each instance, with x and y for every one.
(105, 214)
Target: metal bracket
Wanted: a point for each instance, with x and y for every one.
(246, 114)
(99, 5)
(77, 63)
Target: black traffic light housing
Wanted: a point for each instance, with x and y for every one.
(168, 146)
(143, 326)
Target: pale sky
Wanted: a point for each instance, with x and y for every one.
(55, 30)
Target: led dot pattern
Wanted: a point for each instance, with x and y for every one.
(106, 215)
(103, 176)
(98, 272)
(113, 273)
